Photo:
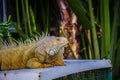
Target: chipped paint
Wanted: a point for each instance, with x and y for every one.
(5, 75)
(39, 76)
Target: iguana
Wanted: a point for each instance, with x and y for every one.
(46, 51)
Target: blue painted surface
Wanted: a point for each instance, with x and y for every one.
(72, 66)
(109, 74)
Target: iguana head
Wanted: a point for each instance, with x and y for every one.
(58, 44)
(50, 46)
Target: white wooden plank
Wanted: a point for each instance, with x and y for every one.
(72, 66)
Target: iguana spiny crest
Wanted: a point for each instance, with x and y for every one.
(43, 52)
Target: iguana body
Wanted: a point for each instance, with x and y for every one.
(45, 52)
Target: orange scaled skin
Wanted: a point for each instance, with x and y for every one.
(33, 55)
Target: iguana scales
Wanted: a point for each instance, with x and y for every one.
(46, 51)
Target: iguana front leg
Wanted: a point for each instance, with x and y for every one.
(34, 63)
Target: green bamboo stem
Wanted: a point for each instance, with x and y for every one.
(83, 43)
(116, 63)
(103, 37)
(18, 28)
(94, 34)
(114, 31)
(28, 17)
(33, 20)
(47, 18)
(43, 14)
(106, 29)
(17, 11)
(89, 45)
(24, 17)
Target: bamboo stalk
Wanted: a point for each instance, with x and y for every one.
(28, 17)
(106, 29)
(18, 28)
(17, 11)
(43, 16)
(84, 47)
(102, 46)
(94, 34)
(116, 63)
(47, 17)
(33, 20)
(114, 31)
(24, 17)
(89, 45)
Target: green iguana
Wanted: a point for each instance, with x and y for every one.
(43, 52)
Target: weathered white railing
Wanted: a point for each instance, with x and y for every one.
(72, 66)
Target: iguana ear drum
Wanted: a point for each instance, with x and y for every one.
(53, 51)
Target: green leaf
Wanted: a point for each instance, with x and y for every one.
(80, 12)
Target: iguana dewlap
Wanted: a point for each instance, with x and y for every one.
(44, 52)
